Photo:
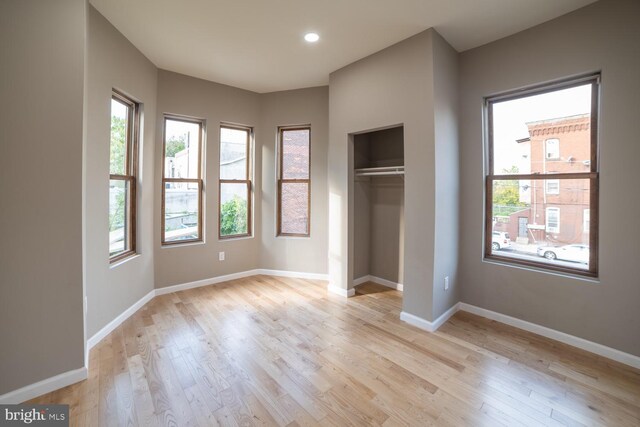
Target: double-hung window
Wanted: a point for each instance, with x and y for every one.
(123, 160)
(533, 180)
(182, 180)
(234, 184)
(294, 181)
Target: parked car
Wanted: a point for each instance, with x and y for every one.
(500, 240)
(574, 253)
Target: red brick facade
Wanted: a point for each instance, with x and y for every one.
(559, 211)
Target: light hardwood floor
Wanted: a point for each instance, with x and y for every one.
(276, 351)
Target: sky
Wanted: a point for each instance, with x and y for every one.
(510, 118)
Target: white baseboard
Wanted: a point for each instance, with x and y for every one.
(590, 346)
(421, 323)
(296, 274)
(361, 280)
(42, 387)
(206, 282)
(340, 291)
(379, 281)
(109, 327)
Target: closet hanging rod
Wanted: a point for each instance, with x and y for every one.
(381, 169)
(381, 173)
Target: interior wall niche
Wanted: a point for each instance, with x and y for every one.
(379, 204)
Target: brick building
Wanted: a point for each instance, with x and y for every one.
(558, 211)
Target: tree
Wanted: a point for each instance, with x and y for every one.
(233, 217)
(175, 145)
(506, 194)
(117, 146)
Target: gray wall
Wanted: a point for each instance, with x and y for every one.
(113, 62)
(393, 86)
(603, 36)
(216, 103)
(303, 106)
(386, 228)
(447, 167)
(42, 46)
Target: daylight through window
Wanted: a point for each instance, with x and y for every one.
(182, 180)
(122, 177)
(294, 181)
(235, 182)
(542, 181)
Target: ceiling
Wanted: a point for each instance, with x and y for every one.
(258, 44)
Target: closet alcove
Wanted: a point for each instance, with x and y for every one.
(378, 163)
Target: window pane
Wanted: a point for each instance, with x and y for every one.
(181, 204)
(295, 208)
(182, 149)
(233, 153)
(119, 205)
(547, 133)
(531, 224)
(295, 154)
(119, 132)
(233, 209)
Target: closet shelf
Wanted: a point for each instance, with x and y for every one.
(380, 171)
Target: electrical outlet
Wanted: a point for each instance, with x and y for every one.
(220, 256)
(446, 283)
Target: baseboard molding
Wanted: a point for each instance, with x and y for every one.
(341, 291)
(111, 326)
(206, 282)
(421, 323)
(42, 387)
(379, 281)
(296, 274)
(590, 346)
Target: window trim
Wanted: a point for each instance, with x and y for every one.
(556, 229)
(554, 192)
(592, 175)
(281, 181)
(546, 149)
(247, 181)
(199, 180)
(131, 167)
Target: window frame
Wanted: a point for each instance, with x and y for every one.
(131, 175)
(547, 211)
(199, 180)
(248, 181)
(281, 181)
(592, 175)
(557, 149)
(552, 192)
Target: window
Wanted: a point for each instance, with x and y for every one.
(549, 202)
(294, 183)
(553, 186)
(182, 180)
(123, 160)
(552, 148)
(553, 220)
(585, 221)
(235, 182)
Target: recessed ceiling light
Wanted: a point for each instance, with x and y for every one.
(311, 37)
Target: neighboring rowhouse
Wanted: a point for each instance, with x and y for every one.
(559, 210)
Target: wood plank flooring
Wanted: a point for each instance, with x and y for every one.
(278, 351)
